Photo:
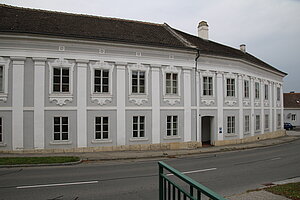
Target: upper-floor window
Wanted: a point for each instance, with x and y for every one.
(101, 81)
(61, 79)
(257, 90)
(138, 82)
(293, 117)
(278, 94)
(207, 86)
(266, 92)
(171, 83)
(1, 79)
(101, 128)
(230, 85)
(266, 121)
(230, 124)
(247, 123)
(138, 126)
(1, 130)
(172, 125)
(61, 128)
(246, 89)
(257, 122)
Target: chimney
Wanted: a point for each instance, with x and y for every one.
(203, 30)
(243, 48)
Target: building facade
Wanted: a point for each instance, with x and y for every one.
(72, 81)
(292, 108)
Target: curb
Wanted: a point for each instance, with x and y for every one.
(42, 165)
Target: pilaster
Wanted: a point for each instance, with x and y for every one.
(275, 107)
(220, 99)
(155, 104)
(252, 96)
(240, 100)
(39, 99)
(281, 106)
(81, 103)
(187, 105)
(18, 102)
(198, 121)
(121, 102)
(271, 127)
(262, 112)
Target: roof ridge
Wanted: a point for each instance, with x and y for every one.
(82, 15)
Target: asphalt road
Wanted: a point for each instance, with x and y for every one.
(226, 173)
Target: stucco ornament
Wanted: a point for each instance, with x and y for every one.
(61, 100)
(208, 102)
(230, 102)
(101, 100)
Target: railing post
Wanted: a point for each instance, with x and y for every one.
(161, 194)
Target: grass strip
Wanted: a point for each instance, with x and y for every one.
(290, 190)
(37, 160)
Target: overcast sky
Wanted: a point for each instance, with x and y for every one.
(269, 28)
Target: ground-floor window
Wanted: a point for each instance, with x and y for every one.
(61, 128)
(172, 125)
(101, 128)
(1, 131)
(230, 124)
(247, 124)
(293, 117)
(266, 121)
(257, 122)
(278, 120)
(138, 126)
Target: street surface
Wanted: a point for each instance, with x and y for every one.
(226, 173)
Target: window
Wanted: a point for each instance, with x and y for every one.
(61, 79)
(230, 124)
(266, 92)
(101, 128)
(138, 82)
(172, 125)
(230, 82)
(61, 128)
(138, 127)
(246, 89)
(279, 120)
(278, 93)
(247, 124)
(257, 122)
(1, 79)
(293, 117)
(207, 86)
(171, 83)
(256, 90)
(101, 81)
(1, 130)
(266, 121)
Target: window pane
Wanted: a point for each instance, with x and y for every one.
(97, 80)
(142, 127)
(134, 81)
(56, 71)
(56, 136)
(65, 88)
(56, 120)
(168, 90)
(98, 127)
(98, 120)
(169, 118)
(0, 121)
(174, 131)
(105, 120)
(65, 80)
(174, 118)
(142, 82)
(56, 128)
(134, 74)
(168, 125)
(168, 132)
(142, 134)
(97, 73)
(105, 73)
(105, 135)
(135, 119)
(56, 79)
(105, 127)
(142, 89)
(64, 136)
(134, 89)
(135, 126)
(98, 135)
(142, 75)
(135, 134)
(65, 71)
(64, 120)
(174, 77)
(56, 88)
(142, 119)
(174, 90)
(168, 76)
(105, 89)
(105, 81)
(64, 128)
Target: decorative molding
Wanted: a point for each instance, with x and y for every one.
(5, 63)
(266, 103)
(246, 102)
(256, 103)
(208, 102)
(101, 100)
(230, 102)
(171, 99)
(60, 100)
(138, 100)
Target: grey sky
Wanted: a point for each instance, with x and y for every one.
(269, 28)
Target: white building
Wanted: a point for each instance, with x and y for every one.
(292, 108)
(71, 81)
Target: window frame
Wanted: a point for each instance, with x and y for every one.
(246, 89)
(172, 128)
(138, 124)
(256, 90)
(294, 117)
(247, 123)
(101, 79)
(278, 93)
(266, 87)
(205, 86)
(171, 98)
(230, 87)
(172, 80)
(4, 62)
(279, 120)
(257, 123)
(61, 132)
(231, 125)
(61, 83)
(101, 129)
(267, 121)
(1, 130)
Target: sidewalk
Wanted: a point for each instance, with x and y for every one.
(125, 155)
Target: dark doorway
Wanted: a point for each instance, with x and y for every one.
(206, 130)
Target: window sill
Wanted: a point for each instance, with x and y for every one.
(172, 137)
(61, 142)
(138, 139)
(231, 135)
(3, 144)
(101, 141)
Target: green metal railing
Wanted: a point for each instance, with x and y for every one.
(168, 189)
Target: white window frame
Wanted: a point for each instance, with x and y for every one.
(138, 98)
(257, 123)
(101, 132)
(61, 132)
(294, 117)
(4, 62)
(266, 87)
(1, 130)
(256, 90)
(278, 120)
(138, 127)
(207, 88)
(267, 121)
(101, 98)
(247, 124)
(171, 98)
(61, 97)
(231, 125)
(246, 89)
(278, 93)
(232, 92)
(172, 128)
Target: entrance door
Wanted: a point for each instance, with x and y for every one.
(206, 130)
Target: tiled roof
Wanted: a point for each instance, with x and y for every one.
(50, 23)
(291, 100)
